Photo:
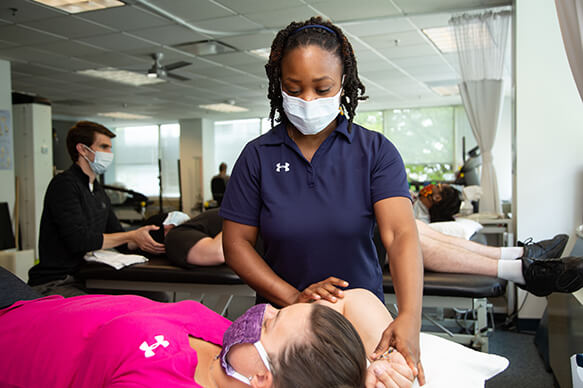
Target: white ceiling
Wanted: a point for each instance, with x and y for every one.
(46, 47)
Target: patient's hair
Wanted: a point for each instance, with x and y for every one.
(449, 205)
(331, 356)
(84, 132)
(334, 42)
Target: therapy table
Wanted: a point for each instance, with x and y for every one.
(216, 287)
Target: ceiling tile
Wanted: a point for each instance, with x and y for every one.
(423, 6)
(250, 42)
(116, 42)
(69, 26)
(70, 48)
(282, 17)
(170, 55)
(373, 65)
(255, 69)
(238, 58)
(126, 18)
(408, 51)
(431, 20)
(253, 6)
(35, 70)
(169, 35)
(216, 72)
(4, 44)
(26, 11)
(236, 23)
(395, 39)
(342, 10)
(376, 27)
(115, 59)
(432, 59)
(31, 55)
(192, 10)
(24, 36)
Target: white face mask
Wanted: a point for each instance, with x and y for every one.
(101, 161)
(311, 117)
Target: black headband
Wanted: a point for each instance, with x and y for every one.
(315, 26)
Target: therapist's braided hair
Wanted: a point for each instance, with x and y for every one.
(337, 43)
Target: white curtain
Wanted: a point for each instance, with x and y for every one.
(570, 14)
(482, 41)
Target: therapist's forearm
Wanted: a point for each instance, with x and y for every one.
(112, 240)
(238, 245)
(253, 270)
(406, 265)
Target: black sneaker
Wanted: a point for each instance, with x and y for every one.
(544, 249)
(543, 277)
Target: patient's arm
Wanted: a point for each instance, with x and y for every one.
(207, 251)
(370, 318)
(366, 312)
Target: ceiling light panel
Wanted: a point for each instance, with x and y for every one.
(123, 115)
(451, 90)
(121, 76)
(222, 107)
(78, 6)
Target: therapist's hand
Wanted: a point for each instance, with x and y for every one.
(390, 372)
(142, 239)
(325, 290)
(403, 335)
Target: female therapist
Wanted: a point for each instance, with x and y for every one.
(315, 184)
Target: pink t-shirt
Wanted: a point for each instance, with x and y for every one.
(103, 341)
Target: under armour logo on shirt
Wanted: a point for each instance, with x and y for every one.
(279, 166)
(149, 349)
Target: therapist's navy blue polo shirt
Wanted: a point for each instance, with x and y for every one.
(317, 219)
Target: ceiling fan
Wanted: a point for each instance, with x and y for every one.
(159, 71)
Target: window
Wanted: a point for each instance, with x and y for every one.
(370, 120)
(169, 156)
(230, 139)
(428, 139)
(425, 138)
(135, 165)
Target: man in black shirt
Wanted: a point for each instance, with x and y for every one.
(77, 217)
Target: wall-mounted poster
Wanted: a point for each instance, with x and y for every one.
(6, 159)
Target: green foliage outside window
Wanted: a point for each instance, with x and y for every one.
(370, 120)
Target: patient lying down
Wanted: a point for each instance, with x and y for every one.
(122, 341)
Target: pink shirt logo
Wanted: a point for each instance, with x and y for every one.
(149, 349)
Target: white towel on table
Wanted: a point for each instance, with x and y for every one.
(115, 259)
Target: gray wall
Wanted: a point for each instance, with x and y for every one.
(6, 176)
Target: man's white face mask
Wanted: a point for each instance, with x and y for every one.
(311, 117)
(101, 161)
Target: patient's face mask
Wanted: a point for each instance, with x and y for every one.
(245, 330)
(101, 161)
(311, 117)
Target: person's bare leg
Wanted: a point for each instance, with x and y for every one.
(425, 232)
(442, 257)
(207, 251)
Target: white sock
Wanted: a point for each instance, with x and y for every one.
(511, 270)
(511, 253)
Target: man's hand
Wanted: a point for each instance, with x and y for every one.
(403, 335)
(141, 239)
(326, 290)
(389, 372)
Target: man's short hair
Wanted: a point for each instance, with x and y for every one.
(84, 132)
(223, 166)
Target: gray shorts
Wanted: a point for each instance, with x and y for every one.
(67, 287)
